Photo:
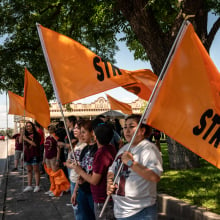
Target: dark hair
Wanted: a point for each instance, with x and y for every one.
(72, 119)
(87, 125)
(60, 131)
(52, 127)
(36, 135)
(80, 122)
(37, 124)
(60, 124)
(103, 133)
(137, 118)
(100, 117)
(96, 122)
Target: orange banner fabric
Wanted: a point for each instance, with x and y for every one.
(35, 100)
(187, 105)
(76, 71)
(144, 82)
(16, 105)
(117, 105)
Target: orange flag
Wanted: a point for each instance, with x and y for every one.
(187, 105)
(116, 105)
(16, 105)
(35, 100)
(77, 72)
(144, 82)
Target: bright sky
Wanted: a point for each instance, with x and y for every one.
(124, 60)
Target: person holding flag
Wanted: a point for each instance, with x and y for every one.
(134, 194)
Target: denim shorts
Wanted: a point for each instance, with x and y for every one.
(33, 161)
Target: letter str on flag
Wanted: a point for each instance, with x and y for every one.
(35, 100)
(117, 105)
(186, 106)
(77, 72)
(16, 105)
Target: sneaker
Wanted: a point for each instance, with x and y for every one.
(51, 194)
(36, 189)
(28, 189)
(14, 169)
(48, 192)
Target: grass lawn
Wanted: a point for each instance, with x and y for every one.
(200, 186)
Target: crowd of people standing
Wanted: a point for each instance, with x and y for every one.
(91, 159)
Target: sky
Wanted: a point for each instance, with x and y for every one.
(125, 60)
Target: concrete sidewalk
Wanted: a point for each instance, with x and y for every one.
(16, 205)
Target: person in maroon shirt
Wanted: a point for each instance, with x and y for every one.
(40, 130)
(58, 180)
(51, 156)
(98, 179)
(31, 139)
(51, 150)
(18, 157)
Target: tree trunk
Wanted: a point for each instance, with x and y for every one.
(180, 157)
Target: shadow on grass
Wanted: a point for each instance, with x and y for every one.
(199, 186)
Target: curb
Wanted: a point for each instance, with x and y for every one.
(3, 190)
(176, 209)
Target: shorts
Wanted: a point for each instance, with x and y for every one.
(33, 161)
(18, 155)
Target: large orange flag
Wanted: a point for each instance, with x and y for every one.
(187, 105)
(16, 105)
(117, 105)
(76, 72)
(35, 100)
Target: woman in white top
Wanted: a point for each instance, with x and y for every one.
(135, 193)
(73, 176)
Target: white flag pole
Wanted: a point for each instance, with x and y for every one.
(184, 24)
(53, 82)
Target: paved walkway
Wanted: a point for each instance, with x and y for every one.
(16, 205)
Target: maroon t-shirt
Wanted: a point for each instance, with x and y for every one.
(103, 159)
(50, 147)
(18, 146)
(40, 131)
(32, 151)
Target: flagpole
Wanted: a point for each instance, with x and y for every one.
(54, 84)
(166, 64)
(7, 128)
(23, 132)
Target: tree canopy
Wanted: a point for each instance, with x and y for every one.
(149, 27)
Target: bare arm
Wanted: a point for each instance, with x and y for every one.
(29, 141)
(110, 187)
(141, 170)
(74, 195)
(93, 178)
